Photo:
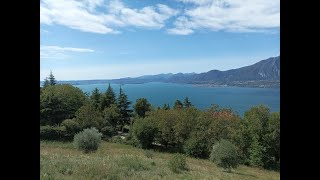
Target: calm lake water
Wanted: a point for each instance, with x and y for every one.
(238, 98)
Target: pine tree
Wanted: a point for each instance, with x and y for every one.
(95, 98)
(52, 80)
(123, 105)
(166, 107)
(187, 103)
(108, 98)
(46, 83)
(178, 105)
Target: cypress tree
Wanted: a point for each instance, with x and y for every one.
(123, 105)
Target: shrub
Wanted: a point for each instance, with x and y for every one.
(53, 133)
(118, 139)
(178, 163)
(225, 155)
(148, 153)
(145, 132)
(108, 131)
(87, 140)
(197, 146)
(72, 127)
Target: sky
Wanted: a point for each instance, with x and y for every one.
(108, 39)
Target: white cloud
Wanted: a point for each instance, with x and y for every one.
(229, 15)
(83, 16)
(56, 52)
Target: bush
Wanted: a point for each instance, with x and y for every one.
(225, 155)
(53, 133)
(197, 146)
(145, 132)
(148, 153)
(108, 131)
(87, 140)
(118, 140)
(72, 127)
(178, 163)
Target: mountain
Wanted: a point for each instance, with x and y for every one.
(265, 73)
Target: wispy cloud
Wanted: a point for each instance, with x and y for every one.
(228, 15)
(83, 16)
(56, 52)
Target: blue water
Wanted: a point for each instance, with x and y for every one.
(238, 98)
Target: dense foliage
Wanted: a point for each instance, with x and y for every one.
(225, 155)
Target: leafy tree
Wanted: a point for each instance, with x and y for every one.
(187, 102)
(111, 115)
(95, 98)
(145, 132)
(141, 107)
(59, 102)
(225, 155)
(88, 116)
(46, 83)
(108, 98)
(177, 105)
(256, 151)
(52, 80)
(166, 107)
(123, 105)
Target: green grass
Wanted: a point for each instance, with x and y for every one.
(117, 161)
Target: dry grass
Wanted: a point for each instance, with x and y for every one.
(116, 161)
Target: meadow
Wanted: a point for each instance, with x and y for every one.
(112, 161)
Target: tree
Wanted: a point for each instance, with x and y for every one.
(256, 151)
(108, 98)
(145, 132)
(225, 155)
(141, 107)
(111, 115)
(52, 80)
(46, 83)
(88, 116)
(187, 103)
(177, 105)
(95, 98)
(166, 107)
(60, 102)
(123, 105)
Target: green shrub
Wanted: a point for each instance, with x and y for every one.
(87, 140)
(178, 163)
(108, 131)
(225, 155)
(145, 132)
(72, 127)
(148, 153)
(197, 147)
(53, 133)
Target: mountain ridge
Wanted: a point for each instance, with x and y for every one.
(265, 73)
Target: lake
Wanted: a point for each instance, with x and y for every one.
(239, 99)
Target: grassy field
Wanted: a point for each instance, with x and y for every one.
(117, 161)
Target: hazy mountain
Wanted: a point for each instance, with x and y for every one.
(265, 73)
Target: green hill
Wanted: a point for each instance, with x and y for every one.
(117, 161)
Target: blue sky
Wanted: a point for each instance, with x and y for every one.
(106, 39)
